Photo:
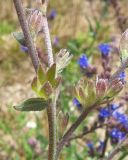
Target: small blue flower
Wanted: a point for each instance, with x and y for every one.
(52, 14)
(90, 145)
(121, 118)
(104, 49)
(114, 106)
(24, 48)
(122, 76)
(83, 61)
(107, 111)
(104, 112)
(77, 103)
(117, 134)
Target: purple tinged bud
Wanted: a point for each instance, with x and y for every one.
(116, 86)
(101, 87)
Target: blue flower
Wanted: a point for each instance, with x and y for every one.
(117, 134)
(77, 103)
(83, 61)
(107, 111)
(122, 76)
(104, 49)
(24, 48)
(121, 118)
(90, 145)
(114, 106)
(52, 14)
(104, 112)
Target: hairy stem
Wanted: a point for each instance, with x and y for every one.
(70, 131)
(24, 25)
(47, 41)
(51, 111)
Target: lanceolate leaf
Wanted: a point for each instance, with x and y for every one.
(41, 74)
(32, 104)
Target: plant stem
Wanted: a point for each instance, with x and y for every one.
(24, 25)
(74, 126)
(105, 144)
(47, 41)
(93, 128)
(51, 110)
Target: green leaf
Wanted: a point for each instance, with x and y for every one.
(41, 75)
(32, 104)
(19, 36)
(51, 74)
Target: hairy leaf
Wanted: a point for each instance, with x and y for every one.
(32, 104)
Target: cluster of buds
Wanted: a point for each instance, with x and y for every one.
(34, 18)
(89, 92)
(45, 83)
(106, 90)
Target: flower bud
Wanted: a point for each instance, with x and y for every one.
(101, 87)
(115, 87)
(35, 21)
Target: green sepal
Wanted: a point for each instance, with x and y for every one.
(32, 104)
(19, 36)
(34, 85)
(51, 74)
(91, 94)
(41, 75)
(46, 90)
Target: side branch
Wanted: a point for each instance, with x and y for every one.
(24, 25)
(68, 134)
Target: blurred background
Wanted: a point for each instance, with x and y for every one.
(78, 25)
